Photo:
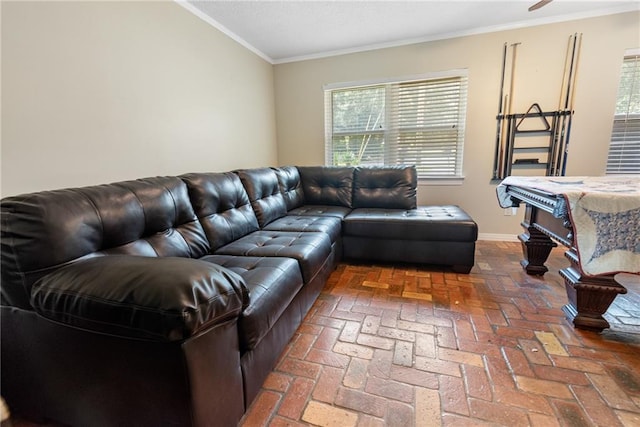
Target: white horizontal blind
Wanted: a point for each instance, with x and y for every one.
(418, 122)
(624, 149)
(428, 131)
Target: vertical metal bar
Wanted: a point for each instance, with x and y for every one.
(508, 155)
(500, 118)
(513, 76)
(552, 145)
(553, 169)
(563, 128)
(509, 146)
(573, 92)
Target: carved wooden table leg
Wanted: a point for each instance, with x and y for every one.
(589, 297)
(536, 247)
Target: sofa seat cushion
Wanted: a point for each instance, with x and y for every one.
(427, 223)
(311, 250)
(321, 210)
(272, 283)
(329, 225)
(160, 299)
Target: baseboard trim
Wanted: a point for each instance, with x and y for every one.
(498, 237)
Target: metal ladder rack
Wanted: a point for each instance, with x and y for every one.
(552, 150)
(555, 125)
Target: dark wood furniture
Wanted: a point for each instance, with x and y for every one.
(546, 218)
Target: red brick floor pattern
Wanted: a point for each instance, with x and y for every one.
(407, 346)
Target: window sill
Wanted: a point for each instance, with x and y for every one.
(458, 180)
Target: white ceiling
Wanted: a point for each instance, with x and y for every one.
(286, 31)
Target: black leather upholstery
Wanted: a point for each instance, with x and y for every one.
(222, 206)
(327, 185)
(44, 231)
(321, 210)
(441, 235)
(264, 190)
(330, 225)
(290, 186)
(311, 250)
(457, 256)
(430, 223)
(385, 187)
(51, 371)
(331, 188)
(272, 282)
(264, 193)
(121, 307)
(164, 299)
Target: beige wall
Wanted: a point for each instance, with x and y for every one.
(300, 115)
(100, 92)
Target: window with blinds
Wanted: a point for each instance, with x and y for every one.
(417, 121)
(624, 149)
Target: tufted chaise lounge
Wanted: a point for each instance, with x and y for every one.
(167, 300)
(380, 217)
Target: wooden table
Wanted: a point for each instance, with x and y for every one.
(547, 220)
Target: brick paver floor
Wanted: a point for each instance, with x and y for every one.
(406, 346)
(412, 346)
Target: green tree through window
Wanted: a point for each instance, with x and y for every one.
(419, 122)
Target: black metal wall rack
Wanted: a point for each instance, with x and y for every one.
(553, 128)
(547, 155)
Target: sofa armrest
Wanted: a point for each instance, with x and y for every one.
(161, 299)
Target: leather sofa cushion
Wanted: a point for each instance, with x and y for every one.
(290, 186)
(428, 223)
(47, 230)
(331, 186)
(320, 210)
(161, 299)
(272, 283)
(388, 187)
(329, 225)
(264, 194)
(311, 250)
(222, 206)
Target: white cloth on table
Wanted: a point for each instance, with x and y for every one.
(604, 212)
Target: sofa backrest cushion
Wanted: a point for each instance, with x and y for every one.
(388, 187)
(222, 205)
(324, 185)
(41, 232)
(264, 194)
(290, 186)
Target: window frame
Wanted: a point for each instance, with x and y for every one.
(392, 130)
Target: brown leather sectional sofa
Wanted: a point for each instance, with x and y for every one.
(166, 301)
